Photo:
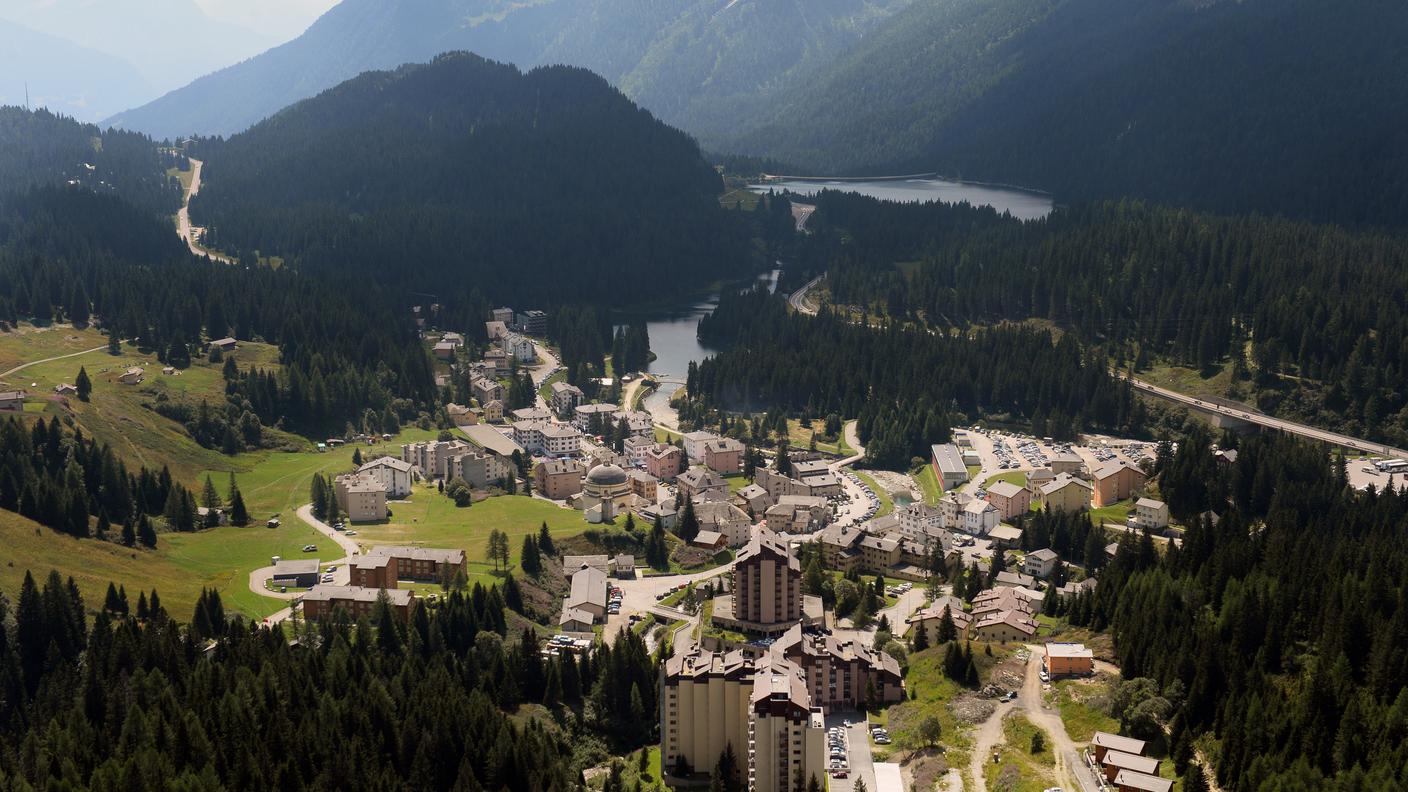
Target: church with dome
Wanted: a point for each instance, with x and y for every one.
(606, 494)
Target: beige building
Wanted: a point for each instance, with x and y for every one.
(394, 474)
(767, 582)
(841, 674)
(1011, 500)
(759, 707)
(701, 483)
(361, 497)
(1065, 493)
(1115, 482)
(1004, 626)
(724, 455)
(558, 479)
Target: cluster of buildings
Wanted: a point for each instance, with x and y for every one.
(768, 700)
(371, 575)
(1122, 763)
(362, 496)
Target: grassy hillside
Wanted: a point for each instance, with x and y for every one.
(115, 413)
(30, 546)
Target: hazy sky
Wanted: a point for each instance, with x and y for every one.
(280, 19)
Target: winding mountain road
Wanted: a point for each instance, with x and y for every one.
(184, 228)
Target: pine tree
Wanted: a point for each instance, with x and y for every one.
(357, 457)
(209, 498)
(513, 595)
(83, 384)
(529, 558)
(146, 533)
(545, 542)
(318, 497)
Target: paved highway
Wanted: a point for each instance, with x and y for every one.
(1267, 421)
(184, 228)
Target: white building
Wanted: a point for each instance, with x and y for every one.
(1150, 513)
(979, 517)
(394, 474)
(694, 443)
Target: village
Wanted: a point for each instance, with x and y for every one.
(757, 653)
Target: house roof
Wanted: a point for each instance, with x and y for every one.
(1148, 503)
(1112, 468)
(949, 459)
(492, 439)
(708, 538)
(1115, 742)
(1142, 781)
(571, 614)
(1058, 649)
(556, 467)
(1006, 533)
(322, 593)
(588, 587)
(1005, 489)
(1044, 554)
(1061, 482)
(769, 543)
(420, 554)
(976, 506)
(386, 461)
(308, 566)
(1131, 761)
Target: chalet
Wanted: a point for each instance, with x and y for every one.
(700, 483)
(225, 344)
(131, 376)
(1103, 742)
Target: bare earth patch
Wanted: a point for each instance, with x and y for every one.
(971, 708)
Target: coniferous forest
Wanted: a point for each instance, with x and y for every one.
(1309, 318)
(1279, 627)
(464, 177)
(130, 699)
(907, 387)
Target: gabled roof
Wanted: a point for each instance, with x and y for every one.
(1149, 503)
(1005, 489)
(1142, 781)
(765, 542)
(1115, 742)
(387, 461)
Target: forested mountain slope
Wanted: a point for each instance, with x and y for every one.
(464, 175)
(701, 64)
(41, 148)
(1287, 106)
(1307, 317)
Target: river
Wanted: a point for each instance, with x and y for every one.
(675, 342)
(1021, 204)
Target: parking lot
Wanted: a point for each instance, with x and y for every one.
(856, 759)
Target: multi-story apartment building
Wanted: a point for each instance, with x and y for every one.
(361, 497)
(758, 707)
(842, 674)
(479, 469)
(432, 456)
(559, 479)
(724, 456)
(565, 398)
(767, 582)
(424, 564)
(322, 601)
(394, 474)
(663, 461)
(372, 571)
(1011, 500)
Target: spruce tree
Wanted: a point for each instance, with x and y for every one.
(83, 384)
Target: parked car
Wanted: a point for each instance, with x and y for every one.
(310, 548)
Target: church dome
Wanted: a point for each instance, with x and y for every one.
(606, 476)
